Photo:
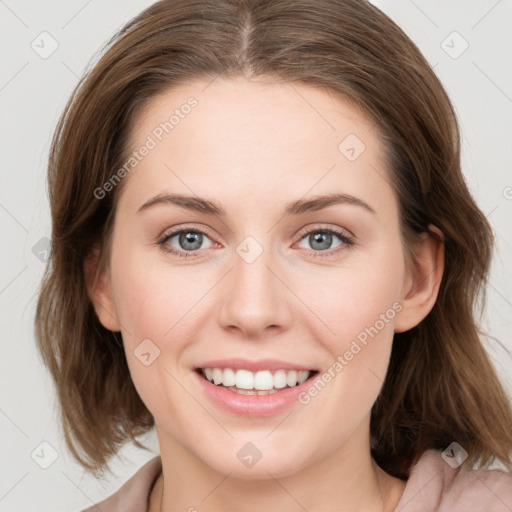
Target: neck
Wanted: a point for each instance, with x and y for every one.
(346, 480)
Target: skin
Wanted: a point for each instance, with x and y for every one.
(254, 146)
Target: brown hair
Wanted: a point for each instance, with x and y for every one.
(440, 386)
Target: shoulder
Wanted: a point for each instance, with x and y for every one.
(434, 485)
(133, 495)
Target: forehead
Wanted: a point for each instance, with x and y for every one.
(252, 112)
(229, 137)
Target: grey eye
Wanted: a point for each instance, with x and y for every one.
(187, 240)
(321, 240)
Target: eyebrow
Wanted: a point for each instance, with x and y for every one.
(298, 207)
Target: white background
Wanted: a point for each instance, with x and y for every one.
(33, 92)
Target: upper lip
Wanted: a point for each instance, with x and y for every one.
(254, 365)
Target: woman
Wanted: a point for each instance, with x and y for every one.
(263, 246)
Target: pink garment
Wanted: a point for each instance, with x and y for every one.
(433, 486)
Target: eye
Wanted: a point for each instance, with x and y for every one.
(185, 240)
(321, 240)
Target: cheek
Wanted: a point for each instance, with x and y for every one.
(360, 309)
(357, 304)
(155, 307)
(158, 306)
(359, 300)
(153, 300)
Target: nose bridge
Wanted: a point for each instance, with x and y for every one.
(253, 297)
(251, 272)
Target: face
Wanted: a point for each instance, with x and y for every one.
(259, 287)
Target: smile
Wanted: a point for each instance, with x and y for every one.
(253, 388)
(263, 382)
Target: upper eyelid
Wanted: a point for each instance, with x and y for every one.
(307, 231)
(175, 231)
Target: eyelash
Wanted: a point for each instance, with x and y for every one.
(347, 240)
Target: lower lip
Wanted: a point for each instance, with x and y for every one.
(252, 405)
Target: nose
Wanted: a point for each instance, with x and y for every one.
(255, 299)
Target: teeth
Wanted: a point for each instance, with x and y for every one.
(302, 376)
(280, 379)
(217, 376)
(255, 383)
(229, 377)
(244, 379)
(291, 378)
(263, 381)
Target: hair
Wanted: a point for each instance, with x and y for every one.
(440, 386)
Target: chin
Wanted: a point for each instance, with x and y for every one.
(250, 463)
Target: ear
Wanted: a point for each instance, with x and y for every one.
(422, 281)
(99, 291)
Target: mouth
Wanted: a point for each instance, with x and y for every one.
(260, 383)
